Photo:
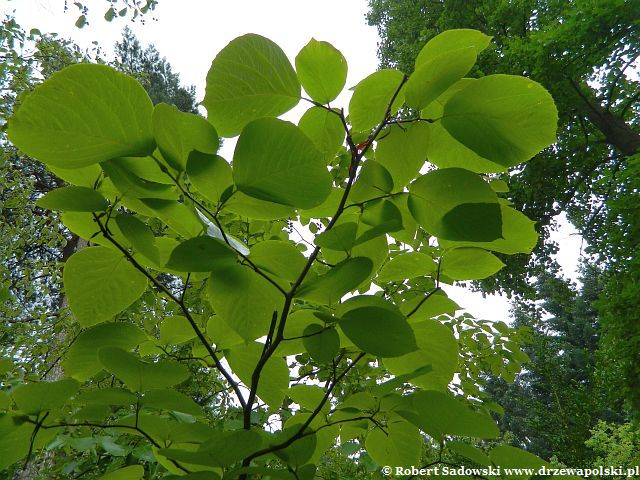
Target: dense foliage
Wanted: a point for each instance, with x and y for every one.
(210, 340)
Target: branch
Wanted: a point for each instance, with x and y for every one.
(300, 433)
(182, 306)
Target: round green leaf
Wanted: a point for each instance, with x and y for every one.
(379, 331)
(452, 40)
(340, 280)
(244, 299)
(437, 74)
(132, 472)
(107, 396)
(200, 254)
(178, 134)
(437, 347)
(276, 162)
(371, 98)
(210, 174)
(511, 457)
(43, 396)
(518, 235)
(403, 152)
(84, 114)
(322, 343)
(100, 283)
(456, 204)
(140, 236)
(505, 119)
(469, 264)
(322, 70)
(279, 258)
(469, 451)
(274, 378)
(407, 265)
(250, 78)
(81, 360)
(400, 445)
(441, 414)
(325, 130)
(168, 399)
(73, 199)
(175, 330)
(139, 375)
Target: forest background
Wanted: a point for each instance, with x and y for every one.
(575, 402)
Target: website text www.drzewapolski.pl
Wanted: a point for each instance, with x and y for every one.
(445, 470)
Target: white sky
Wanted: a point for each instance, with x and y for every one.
(189, 33)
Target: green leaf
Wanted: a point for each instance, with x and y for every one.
(43, 396)
(274, 378)
(450, 41)
(400, 445)
(323, 344)
(107, 396)
(84, 114)
(371, 98)
(407, 265)
(438, 348)
(140, 236)
(512, 457)
(341, 237)
(518, 232)
(73, 199)
(178, 134)
(333, 285)
(210, 175)
(250, 78)
(325, 130)
(177, 216)
(378, 218)
(505, 119)
(373, 181)
(15, 439)
(175, 330)
(139, 375)
(83, 176)
(200, 254)
(322, 70)
(249, 207)
(447, 152)
(403, 152)
(437, 304)
(172, 400)
(456, 204)
(276, 162)
(244, 299)
(469, 264)
(100, 283)
(132, 472)
(130, 185)
(441, 414)
(469, 451)
(81, 360)
(433, 77)
(380, 331)
(232, 446)
(308, 397)
(279, 258)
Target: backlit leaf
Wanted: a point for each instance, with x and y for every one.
(84, 114)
